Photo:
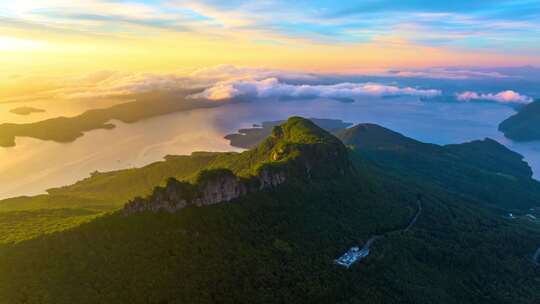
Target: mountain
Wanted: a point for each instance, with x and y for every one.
(23, 218)
(525, 125)
(483, 171)
(234, 237)
(249, 138)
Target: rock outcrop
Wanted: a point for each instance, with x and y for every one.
(212, 187)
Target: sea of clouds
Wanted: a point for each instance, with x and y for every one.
(226, 82)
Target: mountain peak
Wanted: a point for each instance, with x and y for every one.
(297, 149)
(372, 136)
(305, 148)
(300, 130)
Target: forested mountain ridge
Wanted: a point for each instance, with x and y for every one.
(297, 149)
(483, 171)
(278, 244)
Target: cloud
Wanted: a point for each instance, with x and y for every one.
(114, 84)
(117, 84)
(273, 88)
(224, 82)
(232, 72)
(107, 84)
(443, 73)
(471, 24)
(502, 97)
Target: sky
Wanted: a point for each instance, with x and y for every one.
(457, 65)
(57, 37)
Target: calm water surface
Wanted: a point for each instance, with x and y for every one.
(34, 166)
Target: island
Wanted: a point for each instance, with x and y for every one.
(524, 125)
(67, 129)
(26, 110)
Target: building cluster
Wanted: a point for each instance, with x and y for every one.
(352, 256)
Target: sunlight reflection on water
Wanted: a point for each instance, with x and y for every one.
(33, 165)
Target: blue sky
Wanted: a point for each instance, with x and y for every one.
(513, 26)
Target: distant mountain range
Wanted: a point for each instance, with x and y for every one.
(266, 225)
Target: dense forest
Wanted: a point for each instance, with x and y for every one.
(278, 245)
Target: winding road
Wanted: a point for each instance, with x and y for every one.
(415, 218)
(409, 226)
(370, 241)
(367, 246)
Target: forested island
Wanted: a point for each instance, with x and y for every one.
(26, 110)
(525, 125)
(68, 129)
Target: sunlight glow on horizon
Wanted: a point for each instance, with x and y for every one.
(61, 37)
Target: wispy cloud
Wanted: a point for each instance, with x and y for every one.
(511, 25)
(445, 73)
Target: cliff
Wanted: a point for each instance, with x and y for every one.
(212, 187)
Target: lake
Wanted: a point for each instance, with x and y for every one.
(34, 166)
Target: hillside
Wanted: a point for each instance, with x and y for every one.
(23, 218)
(483, 171)
(525, 125)
(277, 244)
(250, 138)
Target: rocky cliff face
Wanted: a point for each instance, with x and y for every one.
(214, 187)
(221, 189)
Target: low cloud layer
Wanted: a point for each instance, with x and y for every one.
(225, 82)
(104, 84)
(502, 97)
(446, 73)
(274, 88)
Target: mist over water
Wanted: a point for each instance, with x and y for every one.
(34, 166)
